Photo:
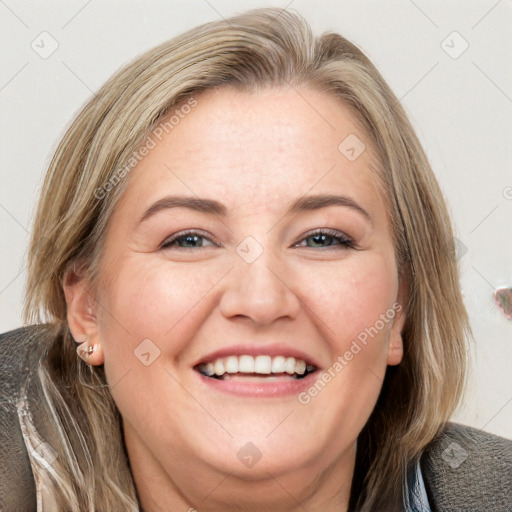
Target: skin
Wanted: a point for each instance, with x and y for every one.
(256, 153)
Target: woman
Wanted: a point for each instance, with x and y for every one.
(247, 274)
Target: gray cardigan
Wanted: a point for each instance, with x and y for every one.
(463, 469)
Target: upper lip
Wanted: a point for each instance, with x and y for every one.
(258, 350)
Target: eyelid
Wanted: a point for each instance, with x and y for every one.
(185, 232)
(344, 239)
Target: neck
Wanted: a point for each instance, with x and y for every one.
(198, 487)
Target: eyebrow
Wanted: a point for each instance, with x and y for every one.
(211, 206)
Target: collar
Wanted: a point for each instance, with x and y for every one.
(415, 493)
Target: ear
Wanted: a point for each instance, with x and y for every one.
(395, 341)
(82, 315)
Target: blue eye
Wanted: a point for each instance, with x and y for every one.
(319, 239)
(187, 240)
(325, 238)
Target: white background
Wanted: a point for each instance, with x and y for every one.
(461, 108)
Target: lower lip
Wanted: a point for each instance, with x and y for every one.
(270, 389)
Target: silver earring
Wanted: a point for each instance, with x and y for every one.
(84, 352)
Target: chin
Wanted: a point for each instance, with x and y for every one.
(254, 457)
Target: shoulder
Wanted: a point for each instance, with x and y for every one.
(20, 352)
(468, 469)
(17, 345)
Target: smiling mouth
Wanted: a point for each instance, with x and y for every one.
(256, 368)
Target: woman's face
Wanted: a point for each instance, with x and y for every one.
(247, 236)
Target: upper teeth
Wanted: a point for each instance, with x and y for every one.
(260, 364)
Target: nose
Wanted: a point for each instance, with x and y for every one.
(261, 291)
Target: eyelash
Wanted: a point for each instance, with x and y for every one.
(343, 241)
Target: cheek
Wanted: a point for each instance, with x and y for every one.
(149, 314)
(350, 309)
(356, 312)
(159, 301)
(151, 297)
(351, 300)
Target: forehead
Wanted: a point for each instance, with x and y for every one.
(257, 150)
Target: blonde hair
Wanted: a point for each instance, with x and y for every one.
(261, 48)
